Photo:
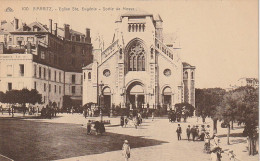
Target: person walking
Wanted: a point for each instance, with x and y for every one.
(193, 132)
(202, 133)
(197, 134)
(179, 132)
(122, 121)
(135, 119)
(126, 121)
(126, 150)
(188, 131)
(89, 127)
(207, 143)
(152, 116)
(231, 155)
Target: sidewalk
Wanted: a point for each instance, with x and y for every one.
(159, 129)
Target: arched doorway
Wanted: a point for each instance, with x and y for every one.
(135, 95)
(167, 96)
(107, 98)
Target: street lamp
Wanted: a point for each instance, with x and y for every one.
(101, 99)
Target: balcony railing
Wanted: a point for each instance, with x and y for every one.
(111, 49)
(163, 48)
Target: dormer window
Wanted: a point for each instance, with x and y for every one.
(36, 28)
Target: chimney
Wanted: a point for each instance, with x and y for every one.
(16, 23)
(56, 29)
(50, 26)
(88, 39)
(67, 31)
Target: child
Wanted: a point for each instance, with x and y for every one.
(231, 155)
(126, 150)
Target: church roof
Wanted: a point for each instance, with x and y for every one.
(187, 65)
(88, 66)
(138, 12)
(157, 17)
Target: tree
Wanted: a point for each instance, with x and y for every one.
(228, 111)
(242, 105)
(2, 96)
(207, 101)
(247, 105)
(184, 110)
(22, 97)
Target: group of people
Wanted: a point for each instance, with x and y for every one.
(99, 127)
(88, 112)
(136, 120)
(196, 132)
(203, 134)
(48, 112)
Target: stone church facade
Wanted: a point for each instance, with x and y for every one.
(138, 69)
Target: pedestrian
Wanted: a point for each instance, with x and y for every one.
(231, 155)
(122, 121)
(193, 132)
(102, 127)
(89, 127)
(97, 127)
(152, 116)
(126, 150)
(202, 135)
(126, 121)
(135, 121)
(179, 132)
(207, 143)
(197, 132)
(188, 131)
(215, 140)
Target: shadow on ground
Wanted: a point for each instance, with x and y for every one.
(232, 135)
(25, 140)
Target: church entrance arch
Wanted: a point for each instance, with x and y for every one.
(107, 98)
(167, 96)
(135, 95)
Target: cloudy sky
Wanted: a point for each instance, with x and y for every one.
(219, 37)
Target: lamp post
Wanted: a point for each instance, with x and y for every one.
(101, 99)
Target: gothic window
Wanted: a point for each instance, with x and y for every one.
(139, 63)
(136, 57)
(143, 63)
(130, 63)
(134, 63)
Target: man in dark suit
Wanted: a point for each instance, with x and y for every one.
(179, 132)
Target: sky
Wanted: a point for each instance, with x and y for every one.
(219, 37)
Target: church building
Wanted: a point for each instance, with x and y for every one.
(139, 68)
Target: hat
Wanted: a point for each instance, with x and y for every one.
(126, 141)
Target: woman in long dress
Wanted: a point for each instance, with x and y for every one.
(126, 150)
